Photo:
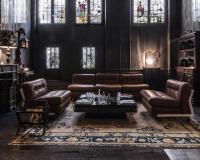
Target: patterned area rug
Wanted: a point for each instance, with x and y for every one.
(137, 130)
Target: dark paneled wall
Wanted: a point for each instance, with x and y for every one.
(113, 40)
(175, 32)
(117, 34)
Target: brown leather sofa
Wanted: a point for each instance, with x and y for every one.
(174, 102)
(109, 82)
(37, 90)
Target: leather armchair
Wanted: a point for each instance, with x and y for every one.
(37, 90)
(174, 102)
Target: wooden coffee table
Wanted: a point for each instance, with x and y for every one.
(106, 107)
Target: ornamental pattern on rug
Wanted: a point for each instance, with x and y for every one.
(138, 130)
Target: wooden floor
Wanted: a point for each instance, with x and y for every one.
(8, 126)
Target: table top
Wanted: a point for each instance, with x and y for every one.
(91, 99)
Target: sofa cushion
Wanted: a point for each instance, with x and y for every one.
(56, 97)
(109, 87)
(159, 99)
(83, 78)
(107, 78)
(81, 88)
(131, 78)
(134, 87)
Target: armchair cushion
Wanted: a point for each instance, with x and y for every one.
(159, 99)
(56, 97)
(35, 89)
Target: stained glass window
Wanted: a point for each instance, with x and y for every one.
(157, 11)
(88, 11)
(196, 10)
(88, 57)
(59, 11)
(148, 11)
(81, 11)
(45, 11)
(140, 11)
(52, 58)
(51, 11)
(95, 11)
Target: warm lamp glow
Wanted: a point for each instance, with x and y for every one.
(1, 57)
(150, 61)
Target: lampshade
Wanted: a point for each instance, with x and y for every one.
(8, 39)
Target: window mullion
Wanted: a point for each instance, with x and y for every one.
(88, 15)
(149, 12)
(52, 11)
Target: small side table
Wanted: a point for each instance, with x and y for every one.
(28, 114)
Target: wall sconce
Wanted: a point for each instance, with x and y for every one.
(23, 42)
(8, 41)
(152, 59)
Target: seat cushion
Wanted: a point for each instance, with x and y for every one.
(131, 78)
(83, 79)
(107, 78)
(56, 97)
(81, 88)
(134, 87)
(109, 87)
(159, 99)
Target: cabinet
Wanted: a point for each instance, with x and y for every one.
(188, 68)
(8, 79)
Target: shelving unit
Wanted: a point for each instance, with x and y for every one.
(188, 68)
(8, 79)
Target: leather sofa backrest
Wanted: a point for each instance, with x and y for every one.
(83, 78)
(35, 89)
(107, 78)
(131, 78)
(180, 91)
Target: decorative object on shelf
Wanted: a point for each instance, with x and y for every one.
(8, 40)
(23, 42)
(152, 59)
